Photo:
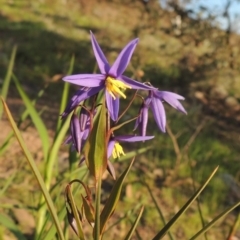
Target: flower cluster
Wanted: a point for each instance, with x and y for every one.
(113, 84)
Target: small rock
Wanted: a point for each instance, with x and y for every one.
(140, 73)
(201, 96)
(129, 191)
(218, 92)
(231, 102)
(158, 172)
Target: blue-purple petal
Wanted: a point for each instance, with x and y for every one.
(85, 134)
(112, 106)
(74, 102)
(138, 121)
(80, 96)
(68, 140)
(123, 59)
(83, 118)
(100, 57)
(110, 148)
(132, 138)
(142, 120)
(158, 113)
(86, 80)
(172, 99)
(135, 84)
(76, 132)
(162, 94)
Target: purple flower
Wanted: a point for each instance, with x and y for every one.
(81, 95)
(110, 79)
(80, 127)
(155, 101)
(142, 120)
(116, 150)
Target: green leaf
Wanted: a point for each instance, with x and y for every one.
(113, 199)
(75, 213)
(210, 224)
(95, 149)
(166, 228)
(35, 171)
(7, 79)
(52, 157)
(9, 180)
(88, 210)
(23, 116)
(81, 173)
(42, 130)
(131, 231)
(11, 226)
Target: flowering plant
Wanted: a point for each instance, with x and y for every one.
(95, 116)
(95, 119)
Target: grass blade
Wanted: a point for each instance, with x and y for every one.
(7, 79)
(210, 224)
(52, 157)
(234, 228)
(166, 228)
(7, 183)
(64, 98)
(11, 226)
(158, 209)
(23, 116)
(113, 199)
(131, 231)
(42, 130)
(35, 172)
(54, 151)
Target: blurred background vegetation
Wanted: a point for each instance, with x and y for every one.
(193, 51)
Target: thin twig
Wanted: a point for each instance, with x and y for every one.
(175, 144)
(193, 137)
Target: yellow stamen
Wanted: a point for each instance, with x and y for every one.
(117, 150)
(116, 87)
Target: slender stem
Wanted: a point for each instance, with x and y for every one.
(97, 210)
(128, 106)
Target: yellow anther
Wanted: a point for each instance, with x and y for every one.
(117, 150)
(116, 87)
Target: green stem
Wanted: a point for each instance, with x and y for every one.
(97, 209)
(62, 106)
